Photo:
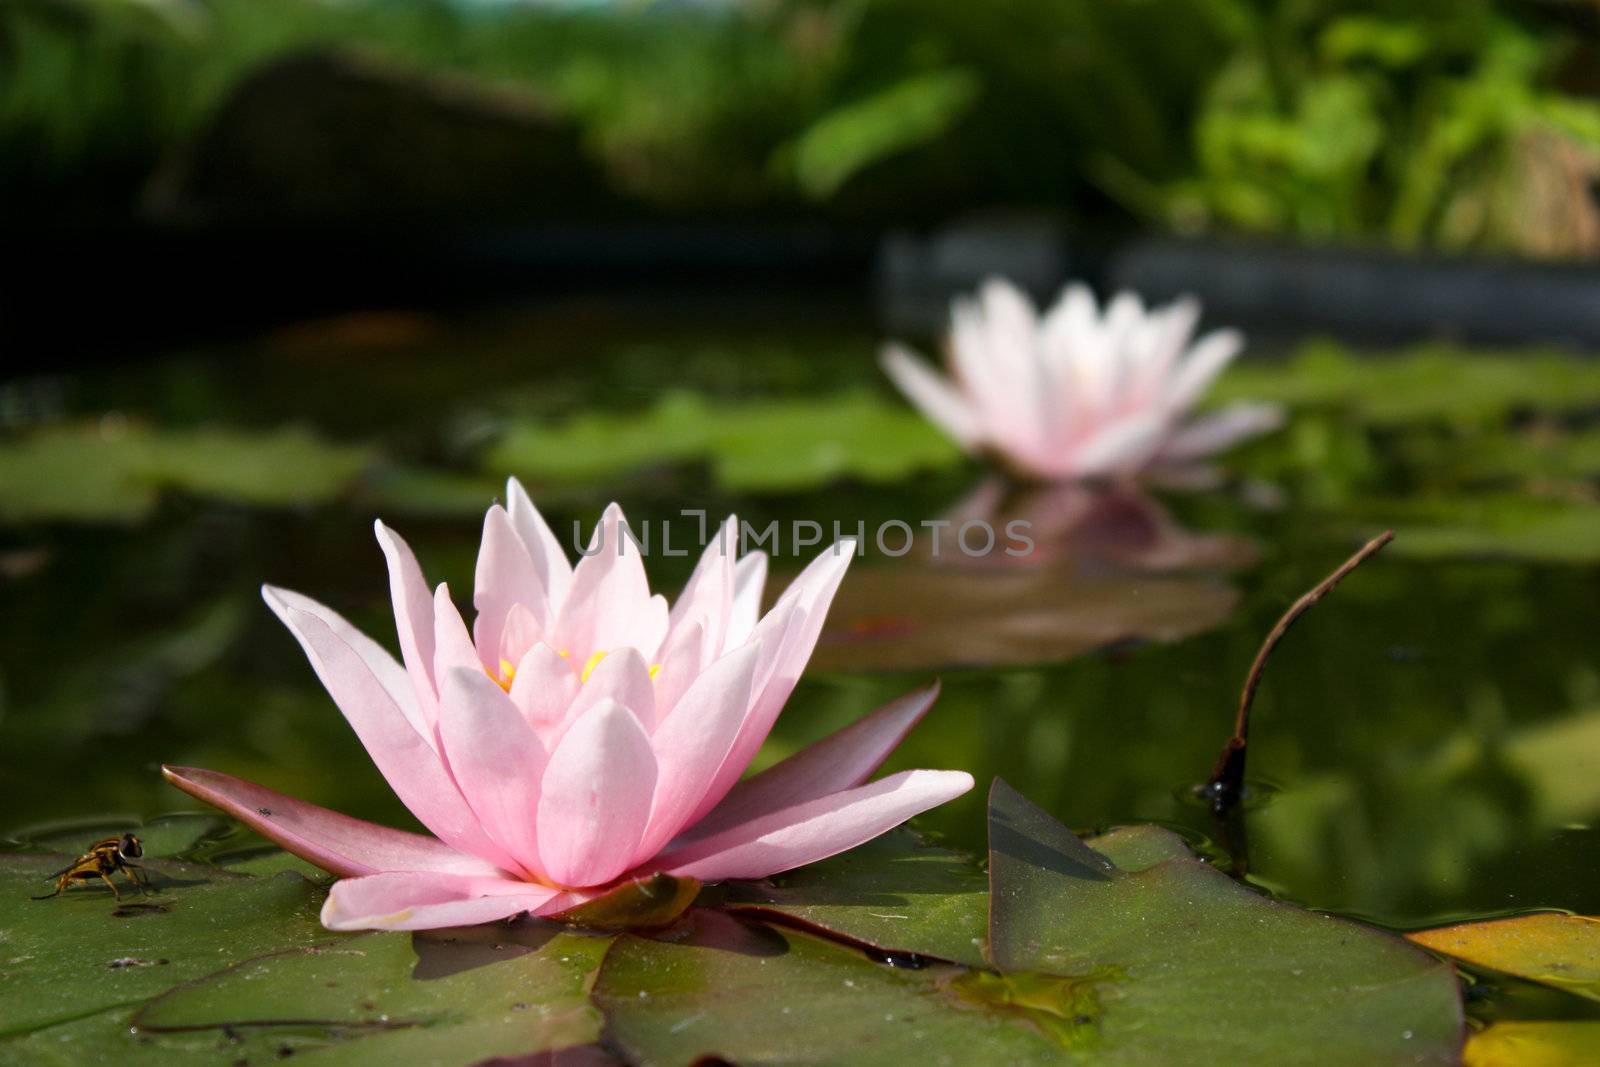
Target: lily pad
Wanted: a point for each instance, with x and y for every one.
(1497, 525)
(907, 617)
(83, 951)
(754, 445)
(1190, 966)
(1556, 949)
(1430, 382)
(113, 471)
(1534, 1044)
(898, 894)
(747, 993)
(450, 997)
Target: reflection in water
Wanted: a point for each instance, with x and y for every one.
(1090, 527)
(1432, 734)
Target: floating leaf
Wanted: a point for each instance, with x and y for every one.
(909, 617)
(755, 994)
(1434, 382)
(449, 997)
(1500, 525)
(84, 952)
(756, 445)
(1190, 966)
(116, 472)
(897, 893)
(1558, 950)
(1534, 1044)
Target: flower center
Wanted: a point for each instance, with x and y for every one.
(508, 670)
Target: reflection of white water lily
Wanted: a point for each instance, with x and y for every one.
(1089, 527)
(1077, 392)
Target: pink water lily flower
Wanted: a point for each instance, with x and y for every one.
(580, 734)
(1077, 393)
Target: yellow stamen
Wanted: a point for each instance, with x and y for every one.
(655, 669)
(508, 674)
(588, 668)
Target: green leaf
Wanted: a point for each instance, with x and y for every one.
(1559, 950)
(115, 472)
(906, 617)
(1190, 966)
(909, 113)
(83, 952)
(898, 894)
(1433, 382)
(764, 445)
(747, 993)
(445, 997)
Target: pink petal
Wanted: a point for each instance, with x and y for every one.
(842, 760)
(452, 645)
(816, 829)
(413, 614)
(393, 677)
(521, 632)
(544, 548)
(609, 605)
(749, 579)
(1194, 375)
(684, 656)
(411, 767)
(624, 677)
(694, 740)
(707, 597)
(496, 759)
(1121, 447)
(337, 843)
(800, 612)
(544, 686)
(933, 395)
(505, 578)
(416, 900)
(1221, 430)
(596, 797)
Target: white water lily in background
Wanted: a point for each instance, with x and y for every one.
(581, 733)
(1078, 392)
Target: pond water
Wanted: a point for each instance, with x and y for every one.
(1427, 740)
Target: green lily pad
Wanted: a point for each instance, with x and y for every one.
(902, 896)
(1498, 525)
(448, 997)
(166, 835)
(1433, 382)
(1534, 1044)
(115, 472)
(1559, 950)
(83, 951)
(1134, 848)
(766, 445)
(1190, 966)
(898, 894)
(748, 993)
(907, 617)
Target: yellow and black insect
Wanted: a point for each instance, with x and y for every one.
(104, 859)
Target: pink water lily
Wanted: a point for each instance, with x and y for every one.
(581, 733)
(1077, 393)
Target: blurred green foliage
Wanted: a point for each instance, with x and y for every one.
(1453, 123)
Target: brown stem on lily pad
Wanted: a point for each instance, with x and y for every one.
(1225, 787)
